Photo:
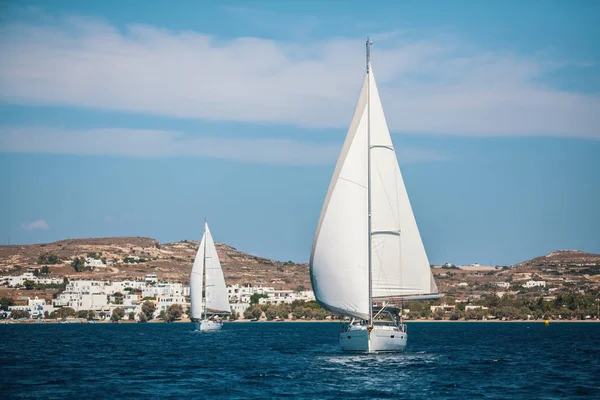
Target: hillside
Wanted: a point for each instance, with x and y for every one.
(563, 270)
(170, 261)
(562, 258)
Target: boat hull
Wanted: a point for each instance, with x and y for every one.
(208, 325)
(377, 341)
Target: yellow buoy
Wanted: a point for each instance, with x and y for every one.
(546, 322)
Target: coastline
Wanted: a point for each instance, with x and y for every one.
(35, 322)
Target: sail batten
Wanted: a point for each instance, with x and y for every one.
(339, 263)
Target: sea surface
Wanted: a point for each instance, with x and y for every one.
(300, 360)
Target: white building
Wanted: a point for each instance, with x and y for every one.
(532, 284)
(286, 296)
(504, 285)
(94, 263)
(14, 281)
(165, 288)
(239, 308)
(471, 307)
(164, 301)
(241, 294)
(35, 307)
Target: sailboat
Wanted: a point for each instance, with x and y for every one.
(367, 248)
(207, 265)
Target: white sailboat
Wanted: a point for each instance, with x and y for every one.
(207, 265)
(367, 247)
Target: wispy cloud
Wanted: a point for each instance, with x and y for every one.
(155, 143)
(39, 224)
(439, 84)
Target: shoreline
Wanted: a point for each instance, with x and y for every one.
(34, 322)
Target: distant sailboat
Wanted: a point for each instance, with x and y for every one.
(367, 247)
(207, 265)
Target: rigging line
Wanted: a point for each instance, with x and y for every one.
(355, 183)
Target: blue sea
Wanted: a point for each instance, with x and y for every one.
(300, 360)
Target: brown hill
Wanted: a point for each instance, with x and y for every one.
(562, 269)
(563, 258)
(170, 261)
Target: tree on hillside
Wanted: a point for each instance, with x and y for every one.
(91, 315)
(253, 313)
(82, 314)
(162, 315)
(142, 317)
(65, 312)
(255, 297)
(28, 284)
(48, 259)
(18, 314)
(117, 314)
(118, 298)
(78, 264)
(148, 309)
(45, 270)
(271, 313)
(174, 312)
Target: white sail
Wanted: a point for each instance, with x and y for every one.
(196, 282)
(339, 260)
(399, 263)
(216, 290)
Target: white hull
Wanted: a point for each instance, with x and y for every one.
(208, 325)
(381, 339)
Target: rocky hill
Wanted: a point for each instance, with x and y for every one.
(134, 257)
(131, 257)
(562, 258)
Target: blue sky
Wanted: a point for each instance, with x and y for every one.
(127, 118)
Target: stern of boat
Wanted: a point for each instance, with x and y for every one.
(208, 325)
(379, 339)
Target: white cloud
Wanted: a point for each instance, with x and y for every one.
(40, 224)
(155, 143)
(437, 85)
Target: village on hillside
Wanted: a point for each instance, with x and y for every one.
(140, 279)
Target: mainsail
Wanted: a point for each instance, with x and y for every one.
(339, 263)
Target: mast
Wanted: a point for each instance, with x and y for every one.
(368, 46)
(204, 270)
